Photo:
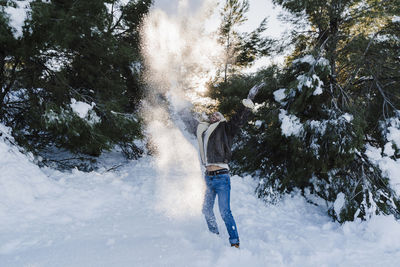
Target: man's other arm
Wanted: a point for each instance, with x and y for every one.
(244, 112)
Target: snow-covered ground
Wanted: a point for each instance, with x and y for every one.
(50, 218)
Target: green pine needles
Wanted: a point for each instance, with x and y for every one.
(73, 53)
(327, 122)
(301, 139)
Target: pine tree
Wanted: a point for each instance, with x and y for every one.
(83, 51)
(326, 106)
(337, 96)
(241, 49)
(9, 58)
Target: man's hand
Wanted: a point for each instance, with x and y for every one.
(248, 103)
(254, 91)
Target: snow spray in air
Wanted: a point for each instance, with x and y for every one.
(180, 57)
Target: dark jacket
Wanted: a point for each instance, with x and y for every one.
(221, 139)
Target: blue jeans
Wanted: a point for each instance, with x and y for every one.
(219, 185)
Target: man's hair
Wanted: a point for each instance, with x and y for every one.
(219, 115)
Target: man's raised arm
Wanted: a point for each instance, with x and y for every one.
(242, 115)
(190, 121)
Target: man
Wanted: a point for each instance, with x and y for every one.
(215, 143)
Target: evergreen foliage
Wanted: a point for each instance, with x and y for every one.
(82, 51)
(337, 96)
(72, 80)
(241, 49)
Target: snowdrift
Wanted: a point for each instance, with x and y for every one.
(52, 218)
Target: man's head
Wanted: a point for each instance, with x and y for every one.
(215, 117)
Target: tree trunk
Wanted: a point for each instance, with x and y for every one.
(333, 41)
(228, 47)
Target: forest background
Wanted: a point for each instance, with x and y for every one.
(326, 122)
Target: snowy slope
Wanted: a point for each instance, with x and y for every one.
(49, 218)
